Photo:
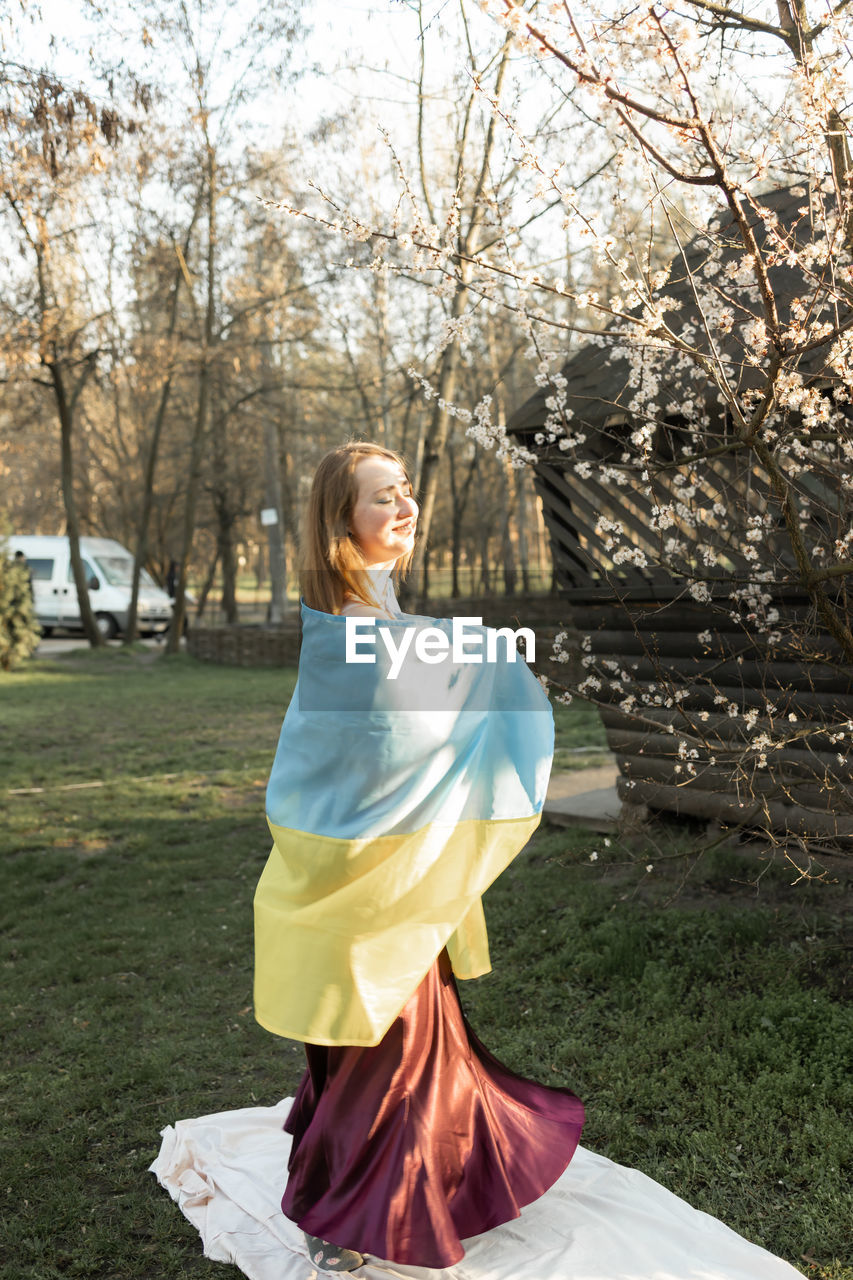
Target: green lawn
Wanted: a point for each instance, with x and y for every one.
(579, 740)
(709, 1037)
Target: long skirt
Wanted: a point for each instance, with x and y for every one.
(403, 1149)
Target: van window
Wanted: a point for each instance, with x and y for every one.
(88, 571)
(42, 570)
(118, 571)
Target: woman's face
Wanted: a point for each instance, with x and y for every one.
(385, 514)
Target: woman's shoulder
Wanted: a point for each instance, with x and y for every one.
(358, 609)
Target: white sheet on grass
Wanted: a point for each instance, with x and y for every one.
(600, 1221)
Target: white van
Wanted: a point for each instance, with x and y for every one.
(109, 572)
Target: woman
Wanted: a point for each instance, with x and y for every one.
(394, 801)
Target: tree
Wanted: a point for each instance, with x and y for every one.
(459, 181)
(469, 223)
(179, 276)
(748, 322)
(54, 140)
(219, 71)
(734, 432)
(735, 359)
(56, 341)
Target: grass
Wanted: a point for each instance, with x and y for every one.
(579, 740)
(709, 1038)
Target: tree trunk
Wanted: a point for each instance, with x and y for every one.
(223, 507)
(455, 525)
(275, 532)
(179, 610)
(425, 573)
(206, 585)
(227, 554)
(459, 497)
(141, 551)
(436, 439)
(288, 495)
(507, 473)
(199, 427)
(65, 410)
(436, 436)
(509, 565)
(483, 531)
(521, 527)
(383, 423)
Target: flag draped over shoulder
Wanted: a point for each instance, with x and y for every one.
(400, 790)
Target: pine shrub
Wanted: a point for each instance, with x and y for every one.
(19, 630)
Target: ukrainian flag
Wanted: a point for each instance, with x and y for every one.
(393, 802)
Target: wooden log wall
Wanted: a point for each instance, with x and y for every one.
(691, 751)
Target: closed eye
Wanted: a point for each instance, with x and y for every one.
(408, 493)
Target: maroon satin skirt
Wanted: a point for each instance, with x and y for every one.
(404, 1149)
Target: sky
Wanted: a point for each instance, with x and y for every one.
(355, 49)
(360, 58)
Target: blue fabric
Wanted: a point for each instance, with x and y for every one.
(362, 755)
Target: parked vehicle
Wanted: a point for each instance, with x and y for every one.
(109, 573)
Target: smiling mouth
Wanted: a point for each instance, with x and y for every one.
(408, 527)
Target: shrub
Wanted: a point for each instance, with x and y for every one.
(19, 630)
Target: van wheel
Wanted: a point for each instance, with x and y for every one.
(107, 625)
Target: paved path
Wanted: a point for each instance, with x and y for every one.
(49, 648)
(584, 798)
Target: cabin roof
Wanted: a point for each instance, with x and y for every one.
(577, 492)
(599, 381)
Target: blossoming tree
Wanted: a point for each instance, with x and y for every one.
(702, 175)
(721, 413)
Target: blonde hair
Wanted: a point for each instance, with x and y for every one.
(332, 561)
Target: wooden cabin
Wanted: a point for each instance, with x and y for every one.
(689, 686)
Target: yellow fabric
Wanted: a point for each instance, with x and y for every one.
(345, 930)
